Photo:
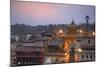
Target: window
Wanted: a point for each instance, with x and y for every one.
(31, 62)
(86, 56)
(91, 57)
(25, 62)
(82, 56)
(89, 41)
(78, 40)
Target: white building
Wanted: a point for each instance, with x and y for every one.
(85, 48)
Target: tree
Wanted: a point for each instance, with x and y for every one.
(87, 22)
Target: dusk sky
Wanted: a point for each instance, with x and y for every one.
(34, 13)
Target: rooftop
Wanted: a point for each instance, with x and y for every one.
(55, 42)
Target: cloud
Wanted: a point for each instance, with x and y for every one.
(35, 10)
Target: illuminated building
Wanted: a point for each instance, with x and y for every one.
(85, 40)
(30, 53)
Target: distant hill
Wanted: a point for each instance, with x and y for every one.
(22, 29)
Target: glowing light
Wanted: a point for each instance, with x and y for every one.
(60, 31)
(79, 50)
(93, 33)
(81, 31)
(65, 53)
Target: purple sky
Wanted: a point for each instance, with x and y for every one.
(32, 13)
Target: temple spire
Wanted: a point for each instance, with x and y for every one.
(72, 21)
